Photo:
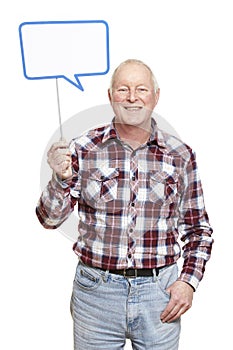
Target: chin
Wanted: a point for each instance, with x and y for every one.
(136, 120)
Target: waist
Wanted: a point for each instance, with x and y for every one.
(133, 273)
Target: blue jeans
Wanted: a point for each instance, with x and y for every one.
(108, 308)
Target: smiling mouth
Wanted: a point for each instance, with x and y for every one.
(133, 108)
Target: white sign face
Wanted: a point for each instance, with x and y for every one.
(64, 49)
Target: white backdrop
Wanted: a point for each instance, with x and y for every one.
(188, 44)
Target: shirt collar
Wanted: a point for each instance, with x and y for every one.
(156, 136)
(110, 132)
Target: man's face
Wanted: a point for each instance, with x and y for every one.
(133, 96)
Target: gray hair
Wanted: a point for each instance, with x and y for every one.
(132, 60)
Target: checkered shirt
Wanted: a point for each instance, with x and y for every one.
(136, 208)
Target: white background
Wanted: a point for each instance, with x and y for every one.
(188, 44)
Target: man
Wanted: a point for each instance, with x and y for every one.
(137, 190)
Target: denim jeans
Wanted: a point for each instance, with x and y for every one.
(108, 308)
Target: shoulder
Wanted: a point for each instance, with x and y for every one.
(175, 146)
(91, 137)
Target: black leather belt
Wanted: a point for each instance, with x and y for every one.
(133, 273)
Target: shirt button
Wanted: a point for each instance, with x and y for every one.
(133, 178)
(131, 230)
(129, 255)
(132, 204)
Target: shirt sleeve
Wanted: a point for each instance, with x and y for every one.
(194, 227)
(58, 199)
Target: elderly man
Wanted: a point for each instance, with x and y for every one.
(137, 191)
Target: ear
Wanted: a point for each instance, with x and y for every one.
(109, 96)
(157, 94)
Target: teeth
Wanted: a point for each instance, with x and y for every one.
(132, 108)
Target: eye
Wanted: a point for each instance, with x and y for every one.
(142, 89)
(123, 89)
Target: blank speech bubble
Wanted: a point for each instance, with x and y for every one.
(64, 49)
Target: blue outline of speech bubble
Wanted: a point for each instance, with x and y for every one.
(77, 75)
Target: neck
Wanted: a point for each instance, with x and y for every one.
(135, 136)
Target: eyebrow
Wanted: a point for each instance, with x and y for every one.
(127, 86)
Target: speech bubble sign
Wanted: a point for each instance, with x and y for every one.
(64, 49)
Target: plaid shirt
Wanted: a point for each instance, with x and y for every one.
(133, 205)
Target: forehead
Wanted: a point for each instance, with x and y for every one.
(132, 74)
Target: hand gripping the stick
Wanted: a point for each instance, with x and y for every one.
(59, 159)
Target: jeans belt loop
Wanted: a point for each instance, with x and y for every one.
(105, 277)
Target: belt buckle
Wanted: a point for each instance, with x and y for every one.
(127, 273)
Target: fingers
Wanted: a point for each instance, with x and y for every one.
(60, 145)
(59, 159)
(173, 312)
(180, 301)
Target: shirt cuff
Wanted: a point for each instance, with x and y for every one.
(62, 183)
(190, 279)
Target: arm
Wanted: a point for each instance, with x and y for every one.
(57, 202)
(193, 224)
(194, 227)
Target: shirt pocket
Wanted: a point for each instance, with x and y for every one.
(163, 187)
(100, 185)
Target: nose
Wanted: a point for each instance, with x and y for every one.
(132, 95)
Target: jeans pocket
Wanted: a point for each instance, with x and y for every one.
(165, 294)
(86, 278)
(166, 278)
